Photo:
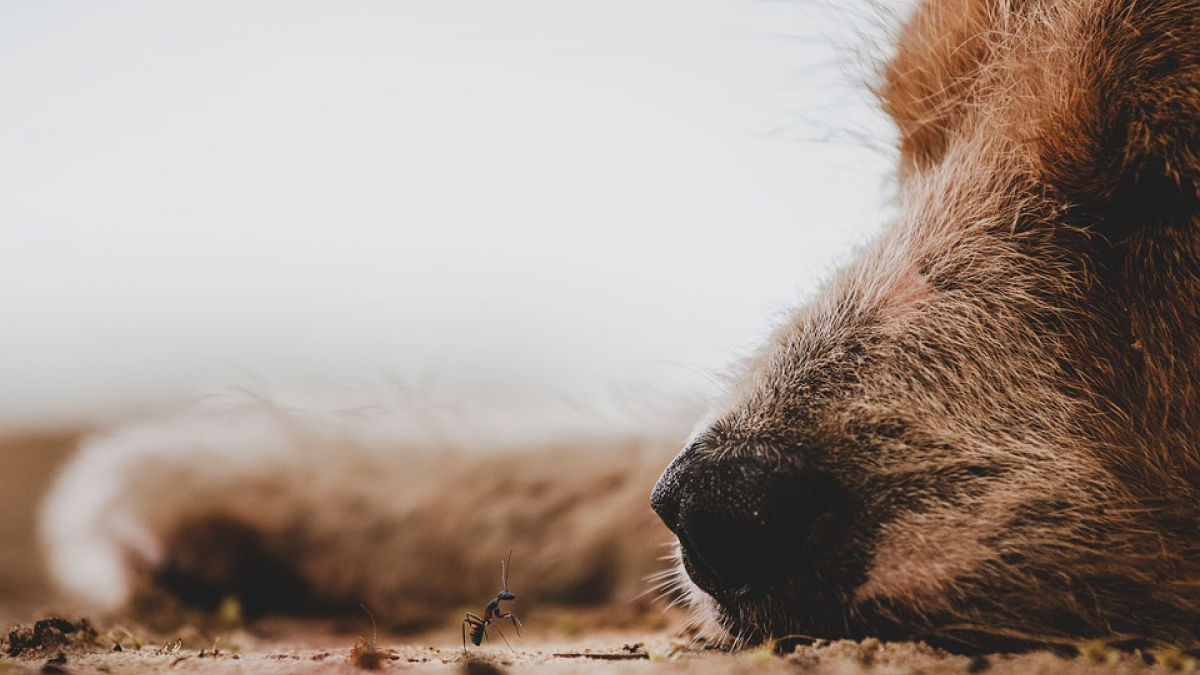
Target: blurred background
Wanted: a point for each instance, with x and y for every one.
(555, 210)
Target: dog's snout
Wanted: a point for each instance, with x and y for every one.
(740, 520)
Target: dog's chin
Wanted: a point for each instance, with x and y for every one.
(793, 604)
(731, 617)
(752, 614)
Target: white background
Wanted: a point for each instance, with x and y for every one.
(526, 202)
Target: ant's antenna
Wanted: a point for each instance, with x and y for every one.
(504, 570)
(374, 626)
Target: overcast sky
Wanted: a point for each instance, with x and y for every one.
(522, 201)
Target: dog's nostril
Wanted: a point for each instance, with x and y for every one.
(741, 521)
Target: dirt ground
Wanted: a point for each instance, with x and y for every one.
(305, 648)
(43, 633)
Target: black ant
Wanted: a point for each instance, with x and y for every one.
(492, 612)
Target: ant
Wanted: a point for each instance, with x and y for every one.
(491, 613)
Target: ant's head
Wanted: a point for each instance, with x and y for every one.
(506, 595)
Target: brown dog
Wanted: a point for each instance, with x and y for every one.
(983, 431)
(987, 427)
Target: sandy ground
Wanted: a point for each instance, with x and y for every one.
(563, 640)
(309, 648)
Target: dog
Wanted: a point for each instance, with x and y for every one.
(983, 431)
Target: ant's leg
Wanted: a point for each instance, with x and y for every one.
(464, 633)
(515, 620)
(510, 647)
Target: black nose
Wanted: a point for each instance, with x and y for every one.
(742, 521)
